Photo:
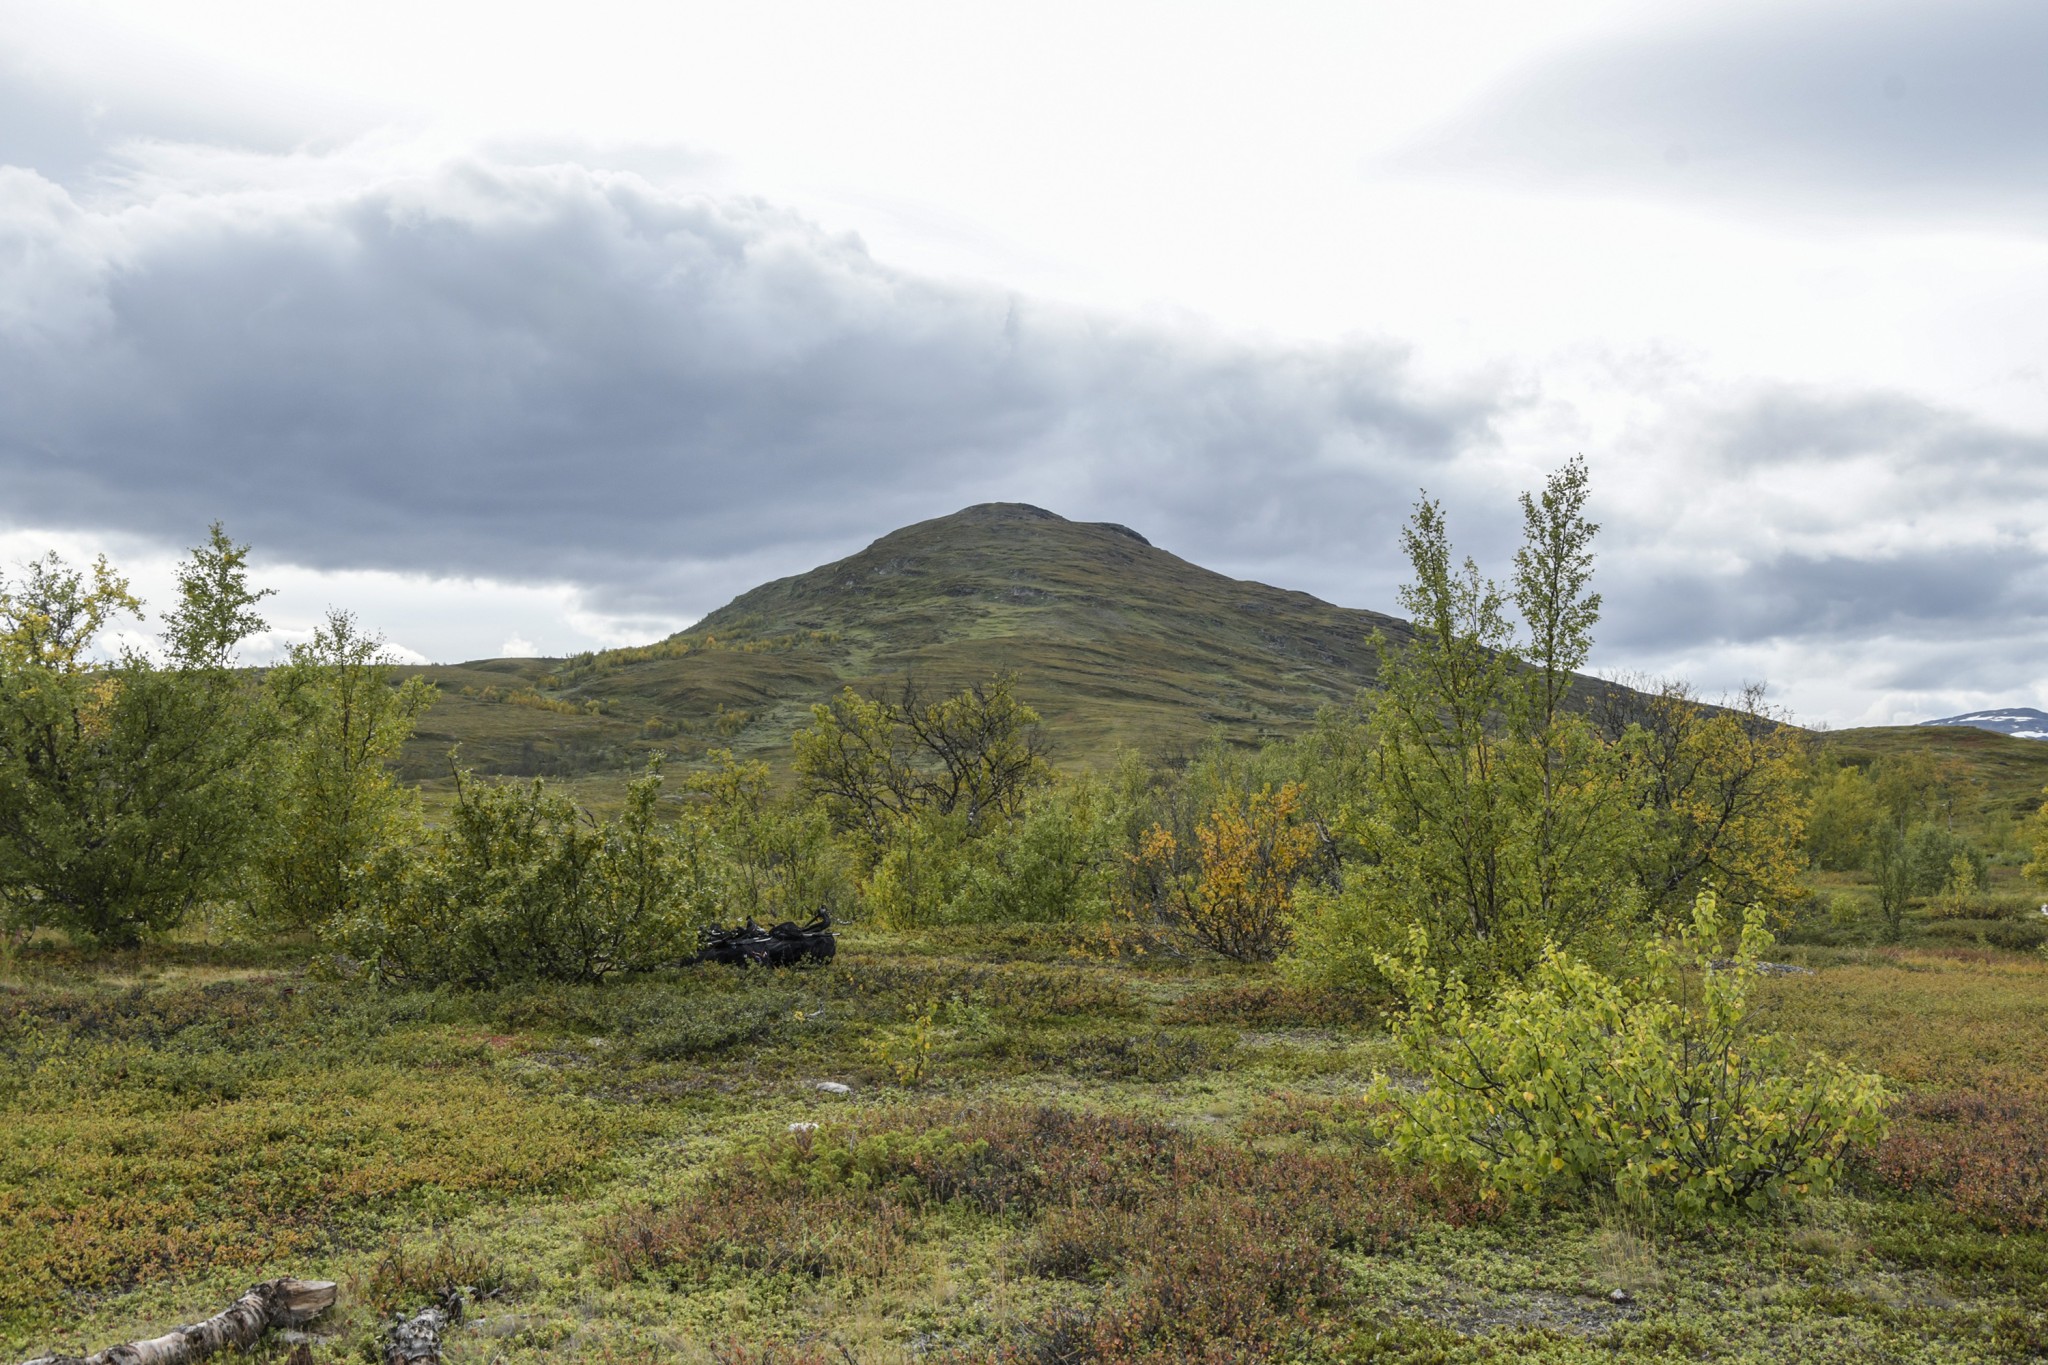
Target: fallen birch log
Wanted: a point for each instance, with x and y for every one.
(270, 1305)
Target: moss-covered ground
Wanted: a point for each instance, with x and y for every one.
(1044, 1155)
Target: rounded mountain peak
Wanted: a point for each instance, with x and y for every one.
(983, 514)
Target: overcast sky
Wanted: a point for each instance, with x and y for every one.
(528, 328)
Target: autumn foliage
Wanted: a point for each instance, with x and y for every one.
(1985, 1153)
(1231, 893)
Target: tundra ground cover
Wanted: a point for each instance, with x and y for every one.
(1158, 1159)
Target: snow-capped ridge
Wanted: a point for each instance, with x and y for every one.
(2021, 722)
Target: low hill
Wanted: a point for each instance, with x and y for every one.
(2004, 775)
(1115, 641)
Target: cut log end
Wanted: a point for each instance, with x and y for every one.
(300, 1301)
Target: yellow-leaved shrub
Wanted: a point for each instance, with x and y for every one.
(1234, 893)
(1658, 1091)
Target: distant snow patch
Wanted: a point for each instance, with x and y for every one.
(2021, 722)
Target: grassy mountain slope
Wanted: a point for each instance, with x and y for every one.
(1115, 641)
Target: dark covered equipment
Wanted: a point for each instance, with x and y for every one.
(784, 945)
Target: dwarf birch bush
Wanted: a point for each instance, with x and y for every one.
(521, 886)
(334, 800)
(129, 793)
(1659, 1091)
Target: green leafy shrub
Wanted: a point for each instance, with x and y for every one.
(2034, 835)
(876, 763)
(924, 873)
(520, 886)
(906, 1053)
(128, 790)
(1499, 805)
(1056, 862)
(334, 801)
(1053, 861)
(2012, 905)
(774, 860)
(2023, 936)
(1935, 852)
(1659, 1091)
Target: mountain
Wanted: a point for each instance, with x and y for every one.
(2022, 721)
(1112, 639)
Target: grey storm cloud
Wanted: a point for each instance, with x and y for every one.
(1958, 562)
(45, 126)
(1785, 425)
(1930, 109)
(551, 373)
(1929, 594)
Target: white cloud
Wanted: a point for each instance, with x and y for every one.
(1894, 108)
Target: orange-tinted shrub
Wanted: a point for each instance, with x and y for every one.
(1985, 1153)
(1232, 892)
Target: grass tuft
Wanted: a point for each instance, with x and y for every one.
(404, 1279)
